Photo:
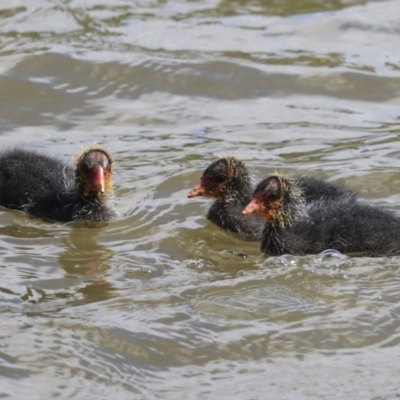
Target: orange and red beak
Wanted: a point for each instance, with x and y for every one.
(98, 178)
(252, 207)
(196, 191)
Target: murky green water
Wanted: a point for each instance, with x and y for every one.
(160, 304)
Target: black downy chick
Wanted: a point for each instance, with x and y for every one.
(44, 186)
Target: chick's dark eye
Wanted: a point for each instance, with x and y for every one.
(84, 168)
(272, 196)
(215, 178)
(271, 193)
(219, 178)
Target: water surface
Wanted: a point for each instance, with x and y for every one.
(160, 304)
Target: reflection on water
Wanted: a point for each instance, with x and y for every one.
(160, 303)
(85, 257)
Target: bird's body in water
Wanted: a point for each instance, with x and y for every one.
(344, 224)
(229, 183)
(44, 186)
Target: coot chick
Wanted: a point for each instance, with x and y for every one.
(46, 187)
(228, 181)
(343, 224)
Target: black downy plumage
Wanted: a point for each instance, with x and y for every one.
(229, 183)
(44, 186)
(344, 224)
